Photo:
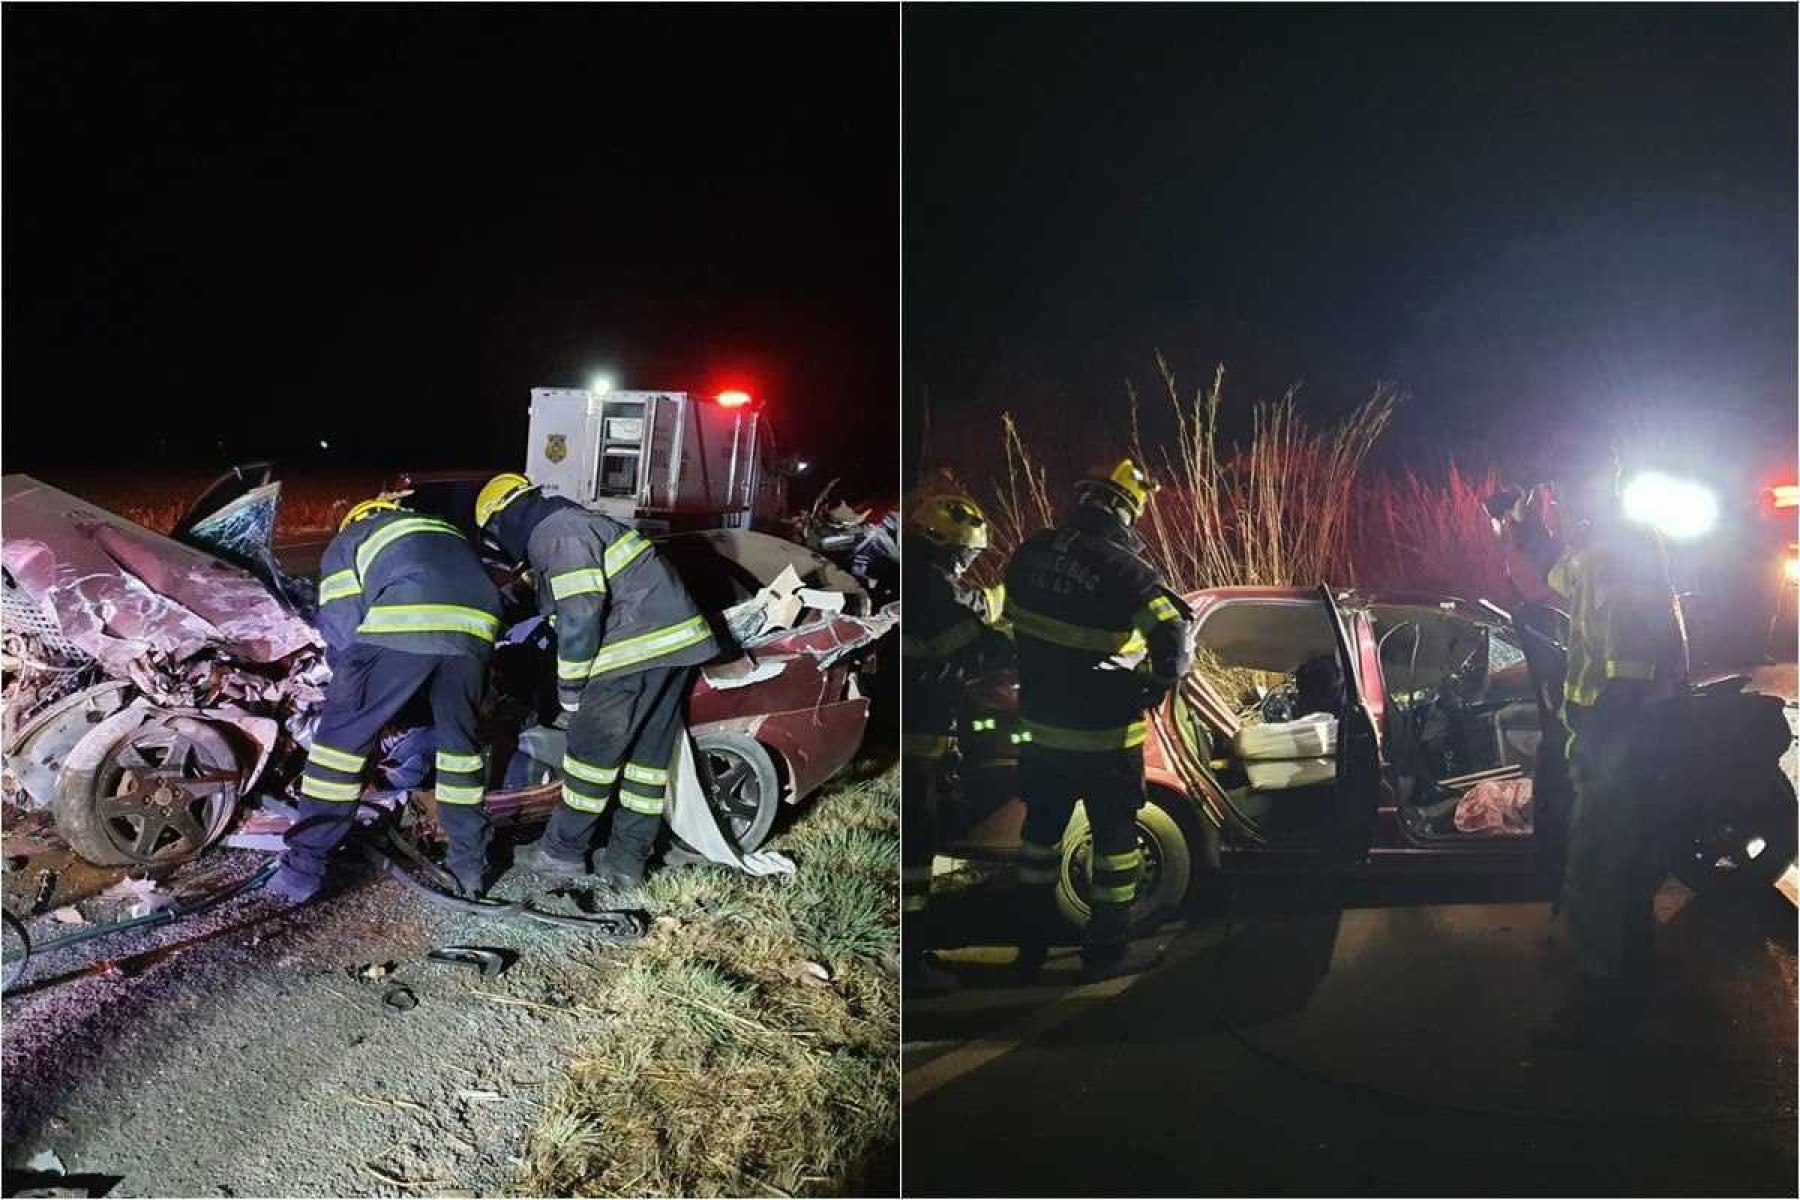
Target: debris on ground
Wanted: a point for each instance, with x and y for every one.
(141, 896)
(488, 961)
(47, 1162)
(372, 972)
(68, 914)
(399, 998)
(812, 974)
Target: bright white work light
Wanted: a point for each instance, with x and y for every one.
(600, 385)
(1675, 508)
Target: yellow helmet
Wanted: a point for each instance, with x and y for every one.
(1125, 483)
(955, 521)
(367, 508)
(497, 493)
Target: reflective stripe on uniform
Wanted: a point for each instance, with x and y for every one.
(1131, 860)
(579, 582)
(587, 771)
(1121, 737)
(462, 764)
(340, 585)
(1123, 893)
(1159, 609)
(430, 618)
(624, 552)
(637, 802)
(456, 793)
(587, 804)
(1061, 633)
(924, 745)
(325, 789)
(944, 644)
(573, 668)
(653, 645)
(648, 775)
(337, 760)
(387, 535)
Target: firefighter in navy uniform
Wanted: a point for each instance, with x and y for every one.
(1627, 652)
(405, 606)
(1077, 596)
(628, 637)
(948, 631)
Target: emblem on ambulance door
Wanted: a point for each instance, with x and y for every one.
(556, 447)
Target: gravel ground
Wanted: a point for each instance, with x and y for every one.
(244, 1059)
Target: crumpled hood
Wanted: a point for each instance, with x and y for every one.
(121, 592)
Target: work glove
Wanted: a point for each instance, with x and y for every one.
(565, 711)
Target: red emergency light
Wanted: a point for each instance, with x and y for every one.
(1787, 495)
(732, 399)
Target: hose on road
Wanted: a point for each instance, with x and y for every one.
(15, 960)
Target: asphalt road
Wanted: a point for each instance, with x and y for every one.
(1372, 1039)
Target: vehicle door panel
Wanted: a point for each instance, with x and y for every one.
(1359, 764)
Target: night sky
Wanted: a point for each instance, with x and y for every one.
(382, 226)
(1543, 222)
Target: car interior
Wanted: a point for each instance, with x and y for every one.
(1276, 663)
(1461, 727)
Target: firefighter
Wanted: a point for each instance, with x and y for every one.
(628, 637)
(1079, 597)
(405, 607)
(1627, 651)
(948, 632)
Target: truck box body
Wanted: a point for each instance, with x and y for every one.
(663, 461)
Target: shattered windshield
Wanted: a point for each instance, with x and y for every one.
(243, 530)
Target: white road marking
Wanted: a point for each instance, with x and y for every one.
(972, 1055)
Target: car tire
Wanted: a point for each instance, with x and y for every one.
(1170, 833)
(160, 794)
(742, 785)
(1718, 860)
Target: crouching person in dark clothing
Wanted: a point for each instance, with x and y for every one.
(405, 607)
(628, 638)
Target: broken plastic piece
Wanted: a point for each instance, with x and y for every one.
(487, 961)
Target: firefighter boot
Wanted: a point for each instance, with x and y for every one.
(1106, 950)
(621, 865)
(319, 826)
(562, 851)
(920, 974)
(468, 831)
(1040, 926)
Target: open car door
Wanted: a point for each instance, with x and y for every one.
(1542, 632)
(1358, 790)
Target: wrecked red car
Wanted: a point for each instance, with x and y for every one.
(1362, 731)
(157, 690)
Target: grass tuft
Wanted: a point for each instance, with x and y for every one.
(724, 1066)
